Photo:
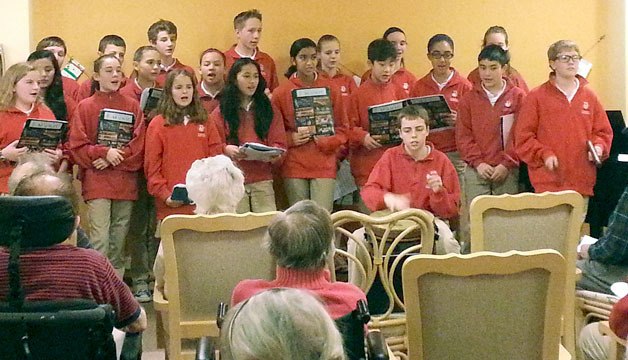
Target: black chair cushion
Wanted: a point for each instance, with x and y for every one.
(45, 220)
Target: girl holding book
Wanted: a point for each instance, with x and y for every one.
(246, 115)
(210, 88)
(146, 67)
(179, 134)
(328, 52)
(309, 169)
(109, 161)
(19, 101)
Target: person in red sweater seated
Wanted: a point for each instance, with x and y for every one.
(556, 121)
(416, 175)
(377, 89)
(19, 101)
(163, 36)
(301, 240)
(248, 31)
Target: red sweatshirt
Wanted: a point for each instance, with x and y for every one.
(314, 159)
(70, 87)
(340, 298)
(514, 76)
(209, 102)
(369, 93)
(132, 90)
(444, 140)
(12, 122)
(478, 127)
(402, 78)
(161, 78)
(85, 88)
(254, 171)
(398, 173)
(549, 125)
(170, 151)
(344, 84)
(266, 63)
(114, 182)
(618, 319)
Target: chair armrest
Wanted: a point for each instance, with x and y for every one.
(606, 330)
(159, 302)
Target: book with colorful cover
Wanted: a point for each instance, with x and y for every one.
(115, 128)
(149, 99)
(383, 123)
(39, 134)
(313, 111)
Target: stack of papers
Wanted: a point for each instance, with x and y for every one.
(260, 152)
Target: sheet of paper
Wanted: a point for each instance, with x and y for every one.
(584, 68)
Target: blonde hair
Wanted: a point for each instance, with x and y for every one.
(280, 324)
(215, 185)
(7, 83)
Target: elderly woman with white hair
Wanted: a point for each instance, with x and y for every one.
(300, 240)
(216, 186)
(280, 324)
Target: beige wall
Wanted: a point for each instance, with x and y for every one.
(532, 25)
(15, 30)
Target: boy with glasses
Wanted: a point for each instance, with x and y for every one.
(556, 121)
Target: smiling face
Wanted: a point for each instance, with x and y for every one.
(329, 55)
(248, 80)
(212, 68)
(27, 90)
(46, 71)
(250, 34)
(413, 132)
(165, 43)
(491, 73)
(182, 90)
(399, 40)
(440, 56)
(110, 75)
(305, 61)
(149, 66)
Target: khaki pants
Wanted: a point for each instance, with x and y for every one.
(108, 226)
(319, 190)
(259, 197)
(474, 185)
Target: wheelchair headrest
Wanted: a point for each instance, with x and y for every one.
(44, 220)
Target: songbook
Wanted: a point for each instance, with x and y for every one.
(260, 152)
(149, 99)
(39, 134)
(506, 123)
(313, 111)
(115, 128)
(180, 193)
(383, 123)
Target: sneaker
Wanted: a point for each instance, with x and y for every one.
(143, 296)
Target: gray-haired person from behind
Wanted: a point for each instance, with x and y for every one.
(278, 324)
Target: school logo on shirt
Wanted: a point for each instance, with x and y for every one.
(201, 131)
(508, 104)
(343, 90)
(406, 86)
(585, 108)
(454, 96)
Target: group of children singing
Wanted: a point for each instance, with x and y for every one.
(239, 100)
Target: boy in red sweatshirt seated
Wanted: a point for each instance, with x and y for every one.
(163, 36)
(556, 121)
(416, 175)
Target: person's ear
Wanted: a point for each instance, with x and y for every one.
(369, 63)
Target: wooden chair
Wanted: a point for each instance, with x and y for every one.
(383, 238)
(205, 256)
(617, 349)
(485, 305)
(593, 306)
(529, 222)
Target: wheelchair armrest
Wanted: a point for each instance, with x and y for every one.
(159, 302)
(376, 344)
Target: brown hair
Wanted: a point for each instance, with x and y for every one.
(173, 113)
(241, 18)
(161, 25)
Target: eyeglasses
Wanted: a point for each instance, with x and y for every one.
(438, 55)
(568, 58)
